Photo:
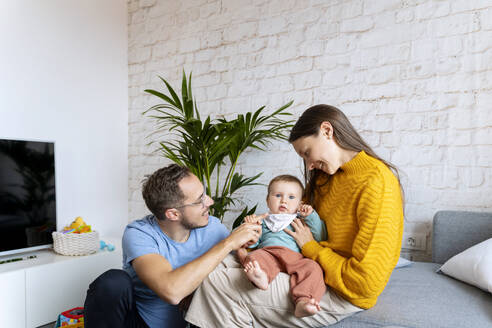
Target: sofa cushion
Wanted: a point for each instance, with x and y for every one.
(473, 266)
(417, 296)
(455, 231)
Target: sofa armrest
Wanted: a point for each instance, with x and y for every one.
(455, 231)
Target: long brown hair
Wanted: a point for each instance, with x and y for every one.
(344, 134)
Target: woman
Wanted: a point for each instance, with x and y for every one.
(358, 197)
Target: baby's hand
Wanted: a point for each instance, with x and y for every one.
(253, 218)
(305, 210)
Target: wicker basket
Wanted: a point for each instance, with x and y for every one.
(75, 243)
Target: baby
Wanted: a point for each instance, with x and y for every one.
(278, 252)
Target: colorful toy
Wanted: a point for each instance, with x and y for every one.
(73, 318)
(77, 226)
(77, 223)
(104, 245)
(83, 228)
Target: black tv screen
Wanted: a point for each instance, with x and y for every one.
(27, 194)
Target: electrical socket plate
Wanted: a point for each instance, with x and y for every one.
(414, 241)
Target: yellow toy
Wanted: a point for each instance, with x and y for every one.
(77, 226)
(77, 223)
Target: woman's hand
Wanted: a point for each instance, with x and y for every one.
(302, 234)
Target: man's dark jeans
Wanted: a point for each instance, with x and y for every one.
(110, 302)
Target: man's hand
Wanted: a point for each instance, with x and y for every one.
(305, 210)
(246, 233)
(254, 219)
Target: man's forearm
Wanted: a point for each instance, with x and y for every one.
(172, 285)
(182, 281)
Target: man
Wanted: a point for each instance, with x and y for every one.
(165, 255)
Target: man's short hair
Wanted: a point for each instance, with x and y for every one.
(161, 189)
(286, 178)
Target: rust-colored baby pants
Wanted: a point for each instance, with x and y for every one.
(306, 275)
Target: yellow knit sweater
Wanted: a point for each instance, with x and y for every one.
(362, 208)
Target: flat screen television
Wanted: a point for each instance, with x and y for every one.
(27, 195)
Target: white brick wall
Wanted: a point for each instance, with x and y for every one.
(415, 77)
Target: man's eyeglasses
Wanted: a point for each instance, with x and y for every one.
(201, 201)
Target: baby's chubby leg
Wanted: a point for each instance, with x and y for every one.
(253, 270)
(242, 253)
(261, 266)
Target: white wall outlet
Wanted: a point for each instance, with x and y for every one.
(414, 240)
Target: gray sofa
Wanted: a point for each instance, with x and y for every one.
(417, 296)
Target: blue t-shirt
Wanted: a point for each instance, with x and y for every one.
(145, 236)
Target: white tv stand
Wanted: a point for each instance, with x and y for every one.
(33, 292)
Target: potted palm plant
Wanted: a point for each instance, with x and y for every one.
(210, 147)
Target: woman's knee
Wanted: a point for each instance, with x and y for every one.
(224, 282)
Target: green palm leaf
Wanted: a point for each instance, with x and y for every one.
(207, 146)
(241, 216)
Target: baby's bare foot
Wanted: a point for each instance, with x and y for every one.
(256, 275)
(306, 307)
